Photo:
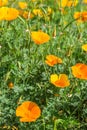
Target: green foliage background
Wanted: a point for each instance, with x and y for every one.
(23, 63)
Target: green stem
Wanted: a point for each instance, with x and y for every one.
(70, 23)
(55, 123)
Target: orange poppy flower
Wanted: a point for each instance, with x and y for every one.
(84, 47)
(37, 12)
(22, 5)
(51, 60)
(39, 37)
(85, 1)
(81, 16)
(68, 3)
(12, 14)
(60, 81)
(8, 13)
(28, 111)
(3, 2)
(33, 0)
(79, 71)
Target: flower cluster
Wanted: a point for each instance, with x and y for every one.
(29, 111)
(67, 3)
(81, 16)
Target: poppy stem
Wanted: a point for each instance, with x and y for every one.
(70, 23)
